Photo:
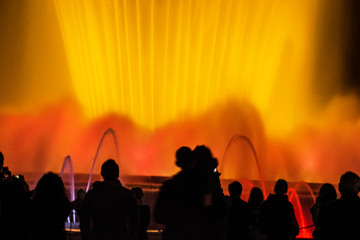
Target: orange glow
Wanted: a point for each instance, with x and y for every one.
(160, 61)
(178, 72)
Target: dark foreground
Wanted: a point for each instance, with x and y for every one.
(153, 235)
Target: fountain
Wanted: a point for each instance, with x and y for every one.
(111, 132)
(253, 151)
(67, 165)
(299, 201)
(161, 66)
(175, 72)
(301, 205)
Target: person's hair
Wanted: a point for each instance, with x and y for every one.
(327, 193)
(281, 187)
(184, 158)
(110, 170)
(204, 159)
(202, 153)
(349, 183)
(256, 197)
(50, 187)
(139, 194)
(235, 189)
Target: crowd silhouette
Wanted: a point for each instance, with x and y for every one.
(191, 205)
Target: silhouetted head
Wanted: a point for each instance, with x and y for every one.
(235, 189)
(50, 188)
(184, 158)
(204, 159)
(96, 184)
(80, 194)
(139, 194)
(1, 159)
(202, 152)
(281, 187)
(327, 193)
(256, 196)
(349, 183)
(110, 170)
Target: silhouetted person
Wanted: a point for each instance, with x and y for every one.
(8, 198)
(23, 204)
(78, 202)
(8, 207)
(49, 209)
(214, 205)
(4, 171)
(144, 213)
(239, 214)
(14, 201)
(109, 209)
(255, 201)
(95, 184)
(327, 194)
(277, 218)
(191, 204)
(1, 159)
(340, 219)
(207, 175)
(185, 159)
(178, 204)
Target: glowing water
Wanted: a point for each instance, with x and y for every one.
(225, 164)
(302, 210)
(111, 132)
(308, 188)
(68, 171)
(155, 63)
(158, 61)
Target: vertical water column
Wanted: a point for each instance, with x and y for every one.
(67, 165)
(302, 208)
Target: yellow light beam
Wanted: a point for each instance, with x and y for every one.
(158, 61)
(140, 79)
(187, 62)
(130, 75)
(212, 55)
(177, 61)
(165, 85)
(197, 80)
(152, 63)
(119, 50)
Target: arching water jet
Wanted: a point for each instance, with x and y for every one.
(107, 132)
(299, 209)
(250, 144)
(67, 164)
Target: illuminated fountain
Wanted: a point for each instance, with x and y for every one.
(240, 160)
(158, 71)
(168, 73)
(67, 175)
(301, 206)
(107, 132)
(302, 209)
